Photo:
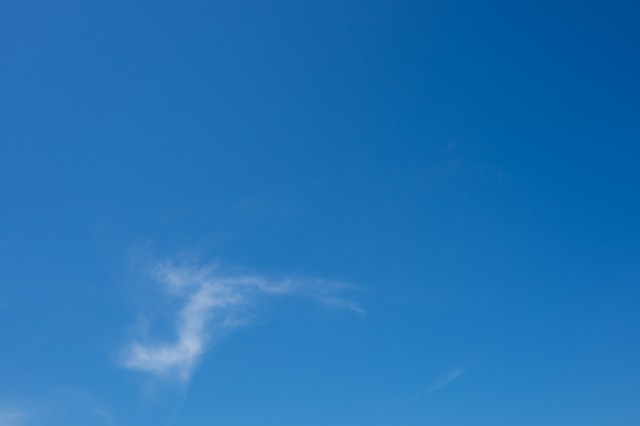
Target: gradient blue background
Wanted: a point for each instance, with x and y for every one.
(471, 166)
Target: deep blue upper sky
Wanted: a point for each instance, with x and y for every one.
(462, 175)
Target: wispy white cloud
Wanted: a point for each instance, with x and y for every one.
(212, 304)
(444, 381)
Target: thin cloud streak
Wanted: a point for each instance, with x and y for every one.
(213, 304)
(444, 381)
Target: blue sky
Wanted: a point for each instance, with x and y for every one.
(319, 213)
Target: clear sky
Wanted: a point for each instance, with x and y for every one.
(339, 212)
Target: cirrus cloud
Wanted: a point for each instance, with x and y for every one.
(210, 305)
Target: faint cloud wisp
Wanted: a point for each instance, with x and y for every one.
(444, 381)
(211, 305)
(11, 417)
